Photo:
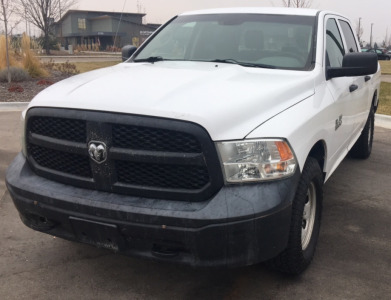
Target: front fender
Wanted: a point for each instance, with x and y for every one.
(303, 125)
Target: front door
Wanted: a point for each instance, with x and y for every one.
(343, 92)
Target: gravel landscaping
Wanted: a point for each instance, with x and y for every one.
(26, 90)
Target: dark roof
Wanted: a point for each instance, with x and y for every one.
(154, 24)
(103, 13)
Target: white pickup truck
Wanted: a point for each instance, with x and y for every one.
(209, 145)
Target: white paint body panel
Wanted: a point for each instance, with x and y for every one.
(232, 102)
(228, 100)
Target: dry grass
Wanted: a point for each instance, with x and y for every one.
(385, 67)
(89, 66)
(30, 62)
(385, 99)
(3, 55)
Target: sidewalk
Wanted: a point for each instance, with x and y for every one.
(380, 120)
(80, 58)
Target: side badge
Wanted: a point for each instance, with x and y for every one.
(338, 122)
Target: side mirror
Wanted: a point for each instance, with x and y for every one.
(127, 51)
(355, 64)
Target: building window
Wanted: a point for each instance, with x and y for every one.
(81, 23)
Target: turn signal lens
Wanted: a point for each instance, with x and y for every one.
(284, 150)
(256, 160)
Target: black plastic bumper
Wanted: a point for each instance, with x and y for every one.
(240, 225)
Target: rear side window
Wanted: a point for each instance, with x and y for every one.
(349, 37)
(334, 46)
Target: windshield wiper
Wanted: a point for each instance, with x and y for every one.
(244, 64)
(151, 59)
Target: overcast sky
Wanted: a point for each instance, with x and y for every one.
(159, 11)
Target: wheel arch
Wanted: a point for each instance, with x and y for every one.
(319, 152)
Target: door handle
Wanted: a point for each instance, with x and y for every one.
(367, 78)
(353, 87)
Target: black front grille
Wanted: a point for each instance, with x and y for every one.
(60, 128)
(165, 176)
(60, 161)
(154, 139)
(148, 157)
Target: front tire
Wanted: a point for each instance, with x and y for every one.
(363, 147)
(305, 222)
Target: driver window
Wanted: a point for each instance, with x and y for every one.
(334, 46)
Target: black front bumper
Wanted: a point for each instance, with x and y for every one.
(240, 225)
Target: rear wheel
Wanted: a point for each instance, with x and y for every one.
(363, 146)
(305, 222)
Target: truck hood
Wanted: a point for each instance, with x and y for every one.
(228, 100)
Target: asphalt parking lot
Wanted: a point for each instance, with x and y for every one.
(353, 259)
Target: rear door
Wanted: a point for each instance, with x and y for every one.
(359, 108)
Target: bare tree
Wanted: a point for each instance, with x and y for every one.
(386, 40)
(43, 13)
(8, 8)
(297, 3)
(359, 32)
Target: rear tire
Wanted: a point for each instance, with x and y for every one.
(305, 222)
(363, 147)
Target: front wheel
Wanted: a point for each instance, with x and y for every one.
(305, 222)
(363, 146)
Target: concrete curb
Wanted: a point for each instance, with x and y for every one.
(13, 106)
(383, 121)
(380, 120)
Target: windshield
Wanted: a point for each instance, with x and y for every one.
(275, 41)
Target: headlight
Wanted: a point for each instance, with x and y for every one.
(256, 160)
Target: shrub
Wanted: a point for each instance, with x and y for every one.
(67, 68)
(17, 74)
(45, 82)
(30, 62)
(16, 89)
(112, 49)
(34, 44)
(52, 41)
(49, 65)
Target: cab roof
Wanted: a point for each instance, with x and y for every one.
(256, 10)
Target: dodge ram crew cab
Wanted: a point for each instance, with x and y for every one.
(208, 146)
